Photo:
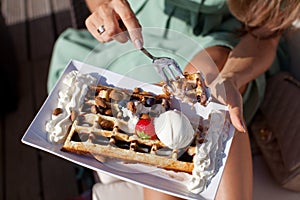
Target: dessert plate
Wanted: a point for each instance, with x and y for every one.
(169, 182)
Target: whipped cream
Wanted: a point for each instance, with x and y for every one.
(70, 98)
(209, 154)
(174, 129)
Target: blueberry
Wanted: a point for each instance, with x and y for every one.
(150, 102)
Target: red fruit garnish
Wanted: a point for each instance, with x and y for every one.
(145, 129)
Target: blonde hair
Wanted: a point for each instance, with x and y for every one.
(273, 15)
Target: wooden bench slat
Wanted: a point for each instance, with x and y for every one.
(58, 175)
(41, 37)
(40, 73)
(59, 178)
(21, 161)
(18, 33)
(60, 5)
(31, 173)
(62, 21)
(37, 9)
(13, 11)
(18, 11)
(2, 159)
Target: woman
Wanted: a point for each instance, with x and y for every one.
(241, 57)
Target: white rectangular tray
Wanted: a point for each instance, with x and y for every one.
(36, 136)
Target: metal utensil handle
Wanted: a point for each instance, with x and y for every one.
(147, 53)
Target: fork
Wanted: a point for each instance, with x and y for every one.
(166, 67)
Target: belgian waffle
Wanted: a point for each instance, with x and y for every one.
(190, 88)
(100, 129)
(113, 143)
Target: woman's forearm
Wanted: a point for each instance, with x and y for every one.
(250, 58)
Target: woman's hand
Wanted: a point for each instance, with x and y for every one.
(210, 62)
(116, 18)
(250, 58)
(227, 93)
(245, 62)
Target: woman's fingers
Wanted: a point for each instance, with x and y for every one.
(109, 18)
(236, 118)
(130, 22)
(235, 105)
(116, 21)
(225, 91)
(105, 18)
(92, 23)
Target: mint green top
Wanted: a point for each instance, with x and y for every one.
(174, 28)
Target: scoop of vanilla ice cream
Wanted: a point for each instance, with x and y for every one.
(174, 129)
